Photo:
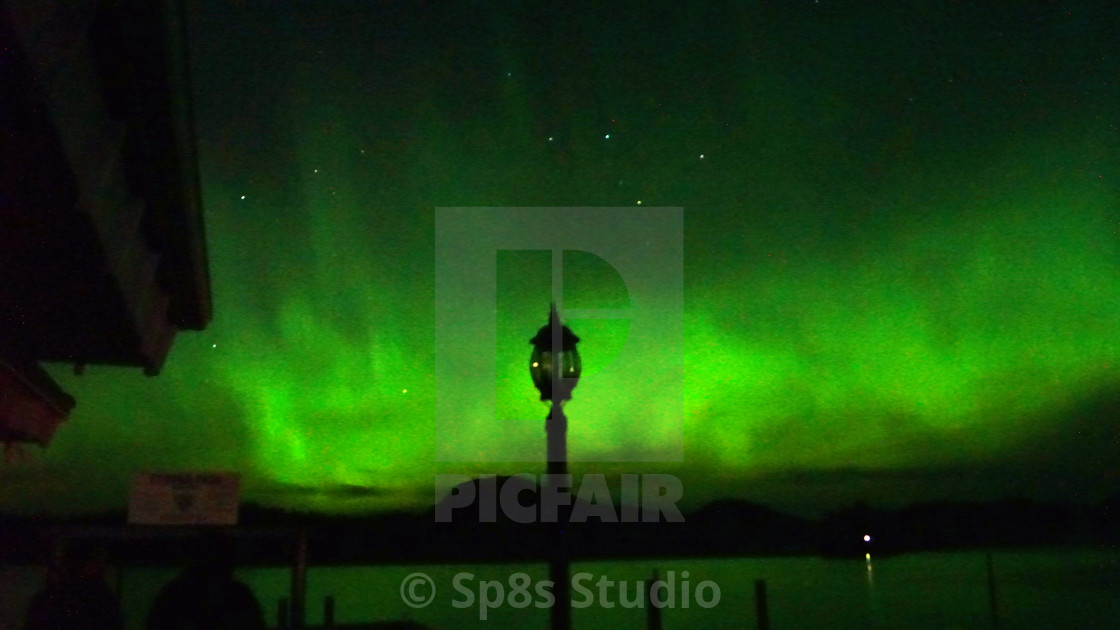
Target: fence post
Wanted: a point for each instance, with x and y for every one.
(761, 611)
(299, 580)
(653, 611)
(282, 613)
(992, 594)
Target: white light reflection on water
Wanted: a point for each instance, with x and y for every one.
(872, 596)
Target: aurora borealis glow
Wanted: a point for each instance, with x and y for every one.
(902, 265)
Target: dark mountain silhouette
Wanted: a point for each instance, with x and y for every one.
(750, 528)
(954, 525)
(723, 528)
(527, 494)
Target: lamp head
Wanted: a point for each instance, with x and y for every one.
(555, 364)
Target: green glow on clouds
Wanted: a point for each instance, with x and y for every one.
(864, 287)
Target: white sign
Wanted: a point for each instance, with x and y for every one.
(185, 498)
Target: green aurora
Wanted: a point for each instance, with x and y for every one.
(902, 267)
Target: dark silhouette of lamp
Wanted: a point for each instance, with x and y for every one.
(555, 368)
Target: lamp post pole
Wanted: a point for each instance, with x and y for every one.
(556, 428)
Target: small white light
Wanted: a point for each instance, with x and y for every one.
(214, 346)
(608, 136)
(535, 364)
(867, 555)
(701, 156)
(316, 170)
(639, 202)
(242, 196)
(866, 538)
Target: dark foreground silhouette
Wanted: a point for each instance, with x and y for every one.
(206, 596)
(76, 596)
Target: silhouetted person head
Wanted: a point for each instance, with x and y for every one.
(76, 596)
(206, 596)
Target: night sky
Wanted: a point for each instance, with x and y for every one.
(901, 255)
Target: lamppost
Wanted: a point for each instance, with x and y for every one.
(555, 368)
